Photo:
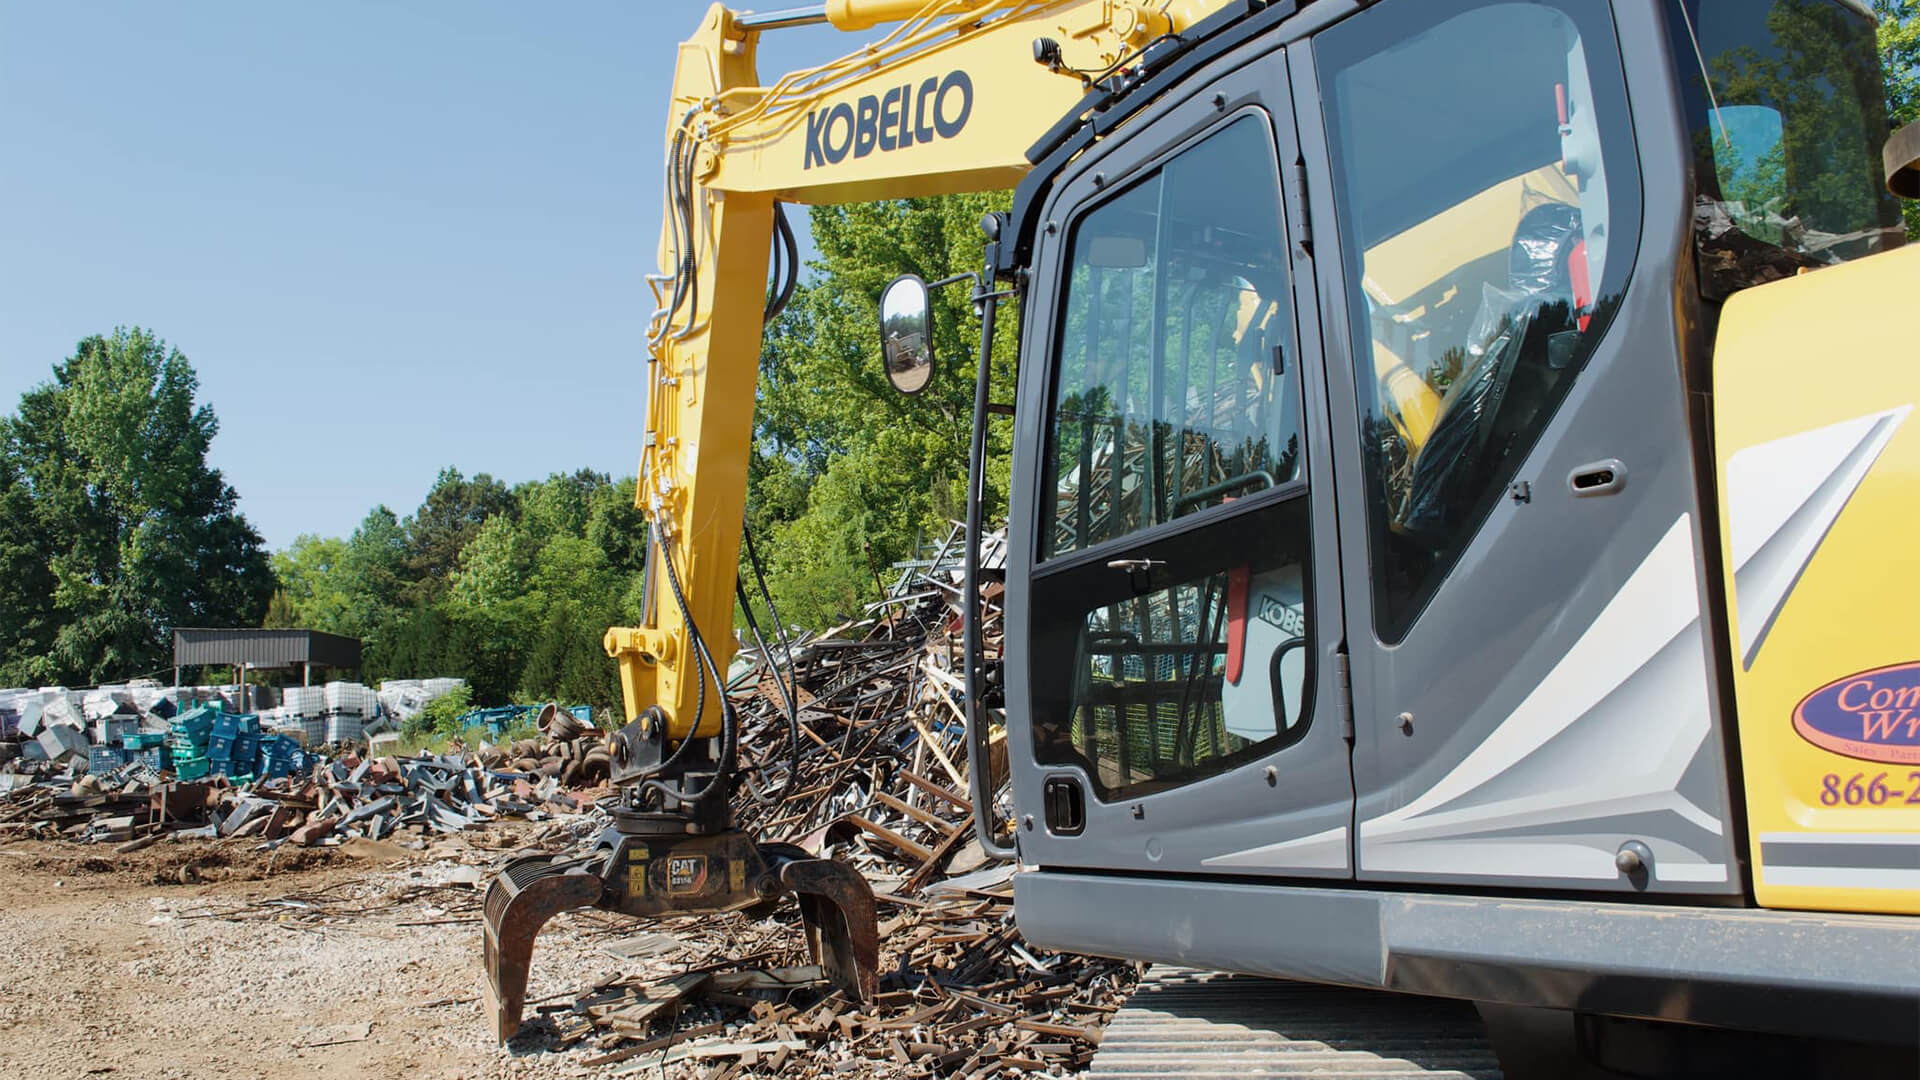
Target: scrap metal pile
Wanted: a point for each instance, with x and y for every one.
(879, 780)
(224, 777)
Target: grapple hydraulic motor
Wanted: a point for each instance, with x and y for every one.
(668, 855)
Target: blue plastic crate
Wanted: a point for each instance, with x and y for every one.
(220, 751)
(153, 757)
(245, 749)
(105, 759)
(196, 725)
(225, 726)
(145, 740)
(192, 769)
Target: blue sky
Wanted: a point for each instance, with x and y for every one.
(390, 236)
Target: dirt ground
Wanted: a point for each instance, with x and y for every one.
(197, 959)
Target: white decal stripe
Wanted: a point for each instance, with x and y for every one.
(1782, 498)
(1655, 605)
(1875, 839)
(1668, 871)
(1320, 851)
(1839, 877)
(1686, 808)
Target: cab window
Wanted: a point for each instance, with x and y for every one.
(1171, 349)
(1488, 195)
(1171, 613)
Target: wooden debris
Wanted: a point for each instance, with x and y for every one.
(879, 779)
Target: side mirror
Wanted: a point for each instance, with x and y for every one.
(906, 333)
(1901, 155)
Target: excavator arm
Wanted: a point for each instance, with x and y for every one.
(949, 100)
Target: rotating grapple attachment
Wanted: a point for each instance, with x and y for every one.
(640, 867)
(525, 895)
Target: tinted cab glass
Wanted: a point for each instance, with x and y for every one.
(1488, 195)
(1171, 620)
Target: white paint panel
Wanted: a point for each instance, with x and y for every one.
(1652, 608)
(1636, 676)
(1782, 498)
(1495, 858)
(1874, 839)
(1668, 871)
(1840, 877)
(1320, 851)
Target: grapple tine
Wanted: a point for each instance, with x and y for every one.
(525, 894)
(843, 932)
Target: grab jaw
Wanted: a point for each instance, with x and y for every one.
(648, 865)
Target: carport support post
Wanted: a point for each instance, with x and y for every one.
(306, 673)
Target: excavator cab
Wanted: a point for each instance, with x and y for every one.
(1430, 565)
(1434, 689)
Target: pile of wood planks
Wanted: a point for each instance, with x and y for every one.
(878, 776)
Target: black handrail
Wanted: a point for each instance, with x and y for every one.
(1231, 483)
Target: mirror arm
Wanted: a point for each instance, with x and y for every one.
(954, 279)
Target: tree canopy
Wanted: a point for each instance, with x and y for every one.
(113, 527)
(847, 474)
(1900, 68)
(508, 588)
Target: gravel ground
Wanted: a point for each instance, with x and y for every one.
(196, 960)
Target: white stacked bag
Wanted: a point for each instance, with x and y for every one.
(350, 707)
(403, 699)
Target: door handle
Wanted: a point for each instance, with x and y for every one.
(1598, 478)
(1134, 566)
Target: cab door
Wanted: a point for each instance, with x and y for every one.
(1174, 618)
(1532, 645)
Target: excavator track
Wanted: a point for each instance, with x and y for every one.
(1180, 1022)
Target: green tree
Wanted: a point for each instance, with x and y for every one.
(280, 612)
(618, 528)
(848, 474)
(313, 582)
(1900, 70)
(108, 461)
(451, 515)
(27, 617)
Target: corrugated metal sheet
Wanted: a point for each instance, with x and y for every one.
(1179, 1022)
(263, 648)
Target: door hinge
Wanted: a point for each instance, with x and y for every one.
(1305, 229)
(1343, 694)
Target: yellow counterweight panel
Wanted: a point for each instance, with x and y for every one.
(1819, 475)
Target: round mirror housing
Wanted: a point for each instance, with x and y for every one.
(1901, 155)
(906, 333)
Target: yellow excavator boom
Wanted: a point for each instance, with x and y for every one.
(947, 101)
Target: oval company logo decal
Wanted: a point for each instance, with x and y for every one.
(1873, 715)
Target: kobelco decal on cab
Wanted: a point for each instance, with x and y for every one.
(903, 116)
